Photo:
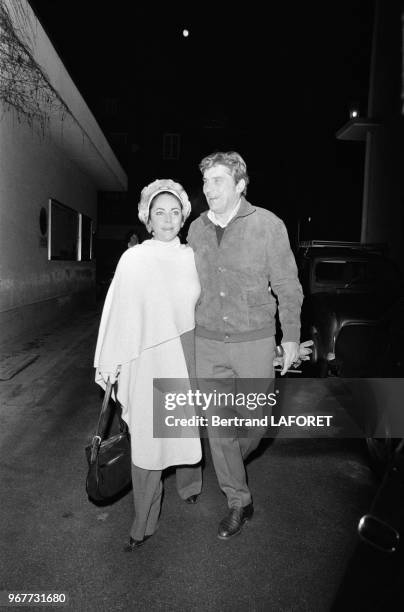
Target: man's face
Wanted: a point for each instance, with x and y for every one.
(220, 189)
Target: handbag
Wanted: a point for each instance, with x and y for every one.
(109, 459)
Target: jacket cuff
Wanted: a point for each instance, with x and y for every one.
(291, 333)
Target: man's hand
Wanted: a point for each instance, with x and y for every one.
(290, 355)
(304, 354)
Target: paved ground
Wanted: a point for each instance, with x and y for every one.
(308, 496)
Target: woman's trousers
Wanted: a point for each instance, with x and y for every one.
(147, 484)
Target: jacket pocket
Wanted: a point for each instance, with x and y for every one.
(258, 297)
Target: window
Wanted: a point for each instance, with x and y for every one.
(86, 235)
(171, 146)
(375, 273)
(70, 234)
(110, 107)
(64, 232)
(333, 271)
(119, 138)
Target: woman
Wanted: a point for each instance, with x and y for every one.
(146, 332)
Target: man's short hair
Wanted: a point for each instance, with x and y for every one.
(232, 160)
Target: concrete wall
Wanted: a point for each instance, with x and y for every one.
(70, 161)
(33, 290)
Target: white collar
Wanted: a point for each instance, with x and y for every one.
(162, 244)
(215, 221)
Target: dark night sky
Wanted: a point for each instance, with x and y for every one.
(284, 77)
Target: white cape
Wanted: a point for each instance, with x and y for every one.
(149, 305)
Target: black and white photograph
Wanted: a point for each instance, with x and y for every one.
(202, 306)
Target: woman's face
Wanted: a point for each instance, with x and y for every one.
(165, 217)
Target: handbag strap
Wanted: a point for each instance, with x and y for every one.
(104, 408)
(99, 433)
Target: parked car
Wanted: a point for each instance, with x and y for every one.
(354, 312)
(372, 580)
(351, 311)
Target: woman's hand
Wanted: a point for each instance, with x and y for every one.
(305, 351)
(290, 356)
(112, 376)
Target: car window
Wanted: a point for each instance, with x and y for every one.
(373, 273)
(333, 271)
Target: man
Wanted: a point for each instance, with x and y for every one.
(242, 256)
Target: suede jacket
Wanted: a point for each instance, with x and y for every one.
(241, 276)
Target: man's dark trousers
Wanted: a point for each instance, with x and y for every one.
(226, 361)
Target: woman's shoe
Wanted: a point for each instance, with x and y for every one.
(134, 544)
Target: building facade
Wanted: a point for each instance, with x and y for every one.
(382, 130)
(52, 167)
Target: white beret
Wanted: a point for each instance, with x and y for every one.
(160, 186)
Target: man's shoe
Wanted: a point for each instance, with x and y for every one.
(192, 499)
(134, 544)
(233, 522)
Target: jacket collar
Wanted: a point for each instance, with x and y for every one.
(245, 209)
